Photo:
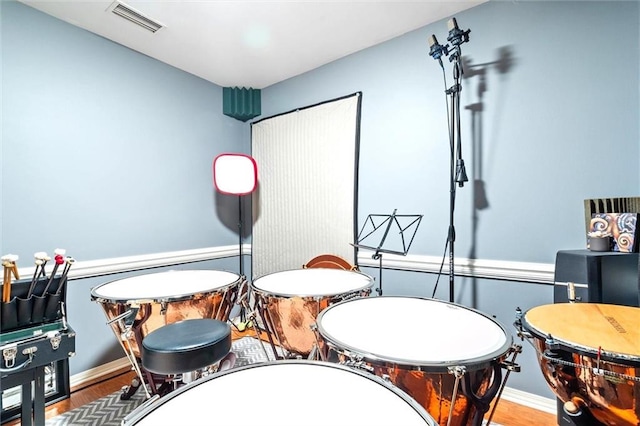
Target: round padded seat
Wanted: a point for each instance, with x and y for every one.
(185, 346)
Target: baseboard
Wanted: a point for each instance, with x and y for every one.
(537, 402)
(122, 365)
(98, 374)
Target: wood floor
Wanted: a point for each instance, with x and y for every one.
(507, 413)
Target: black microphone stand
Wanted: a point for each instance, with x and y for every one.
(458, 174)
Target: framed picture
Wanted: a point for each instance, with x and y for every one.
(621, 226)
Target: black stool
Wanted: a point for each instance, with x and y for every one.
(185, 346)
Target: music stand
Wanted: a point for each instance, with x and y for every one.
(377, 228)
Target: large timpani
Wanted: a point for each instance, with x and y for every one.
(589, 354)
(440, 353)
(163, 298)
(290, 301)
(284, 393)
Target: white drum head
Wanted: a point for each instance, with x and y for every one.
(312, 282)
(164, 285)
(286, 393)
(413, 331)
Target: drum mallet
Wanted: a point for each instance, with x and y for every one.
(10, 268)
(13, 258)
(40, 262)
(7, 273)
(59, 259)
(42, 257)
(63, 278)
(6, 282)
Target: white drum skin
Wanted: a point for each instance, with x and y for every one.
(166, 297)
(384, 329)
(163, 286)
(415, 342)
(285, 393)
(314, 282)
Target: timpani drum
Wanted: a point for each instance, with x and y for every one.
(589, 354)
(163, 298)
(285, 393)
(446, 356)
(290, 301)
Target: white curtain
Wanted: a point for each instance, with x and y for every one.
(305, 203)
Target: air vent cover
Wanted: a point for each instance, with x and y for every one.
(130, 14)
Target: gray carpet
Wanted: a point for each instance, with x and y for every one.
(107, 411)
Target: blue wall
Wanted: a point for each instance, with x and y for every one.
(565, 100)
(107, 153)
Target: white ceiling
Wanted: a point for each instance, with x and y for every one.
(253, 43)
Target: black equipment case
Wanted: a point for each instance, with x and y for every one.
(35, 341)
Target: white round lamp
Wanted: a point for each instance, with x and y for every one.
(235, 174)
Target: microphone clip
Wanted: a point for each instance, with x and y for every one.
(436, 50)
(456, 35)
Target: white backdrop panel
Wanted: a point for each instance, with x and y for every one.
(305, 204)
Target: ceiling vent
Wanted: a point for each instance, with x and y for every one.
(130, 14)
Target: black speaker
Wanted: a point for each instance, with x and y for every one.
(597, 277)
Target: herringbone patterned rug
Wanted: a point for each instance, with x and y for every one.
(107, 411)
(110, 410)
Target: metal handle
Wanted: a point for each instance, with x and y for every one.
(18, 367)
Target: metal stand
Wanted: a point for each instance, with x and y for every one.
(371, 229)
(241, 266)
(458, 174)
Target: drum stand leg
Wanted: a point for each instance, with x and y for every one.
(510, 366)
(458, 372)
(125, 342)
(482, 403)
(134, 362)
(316, 354)
(254, 321)
(267, 321)
(313, 355)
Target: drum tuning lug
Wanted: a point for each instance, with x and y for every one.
(510, 366)
(551, 343)
(458, 371)
(163, 308)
